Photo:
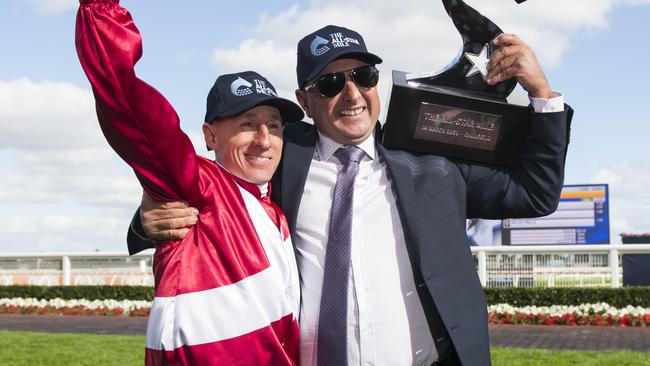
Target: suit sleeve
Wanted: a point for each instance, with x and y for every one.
(136, 238)
(138, 122)
(534, 188)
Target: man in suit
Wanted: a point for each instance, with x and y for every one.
(413, 296)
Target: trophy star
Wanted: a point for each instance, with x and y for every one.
(479, 61)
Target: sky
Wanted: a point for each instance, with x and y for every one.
(62, 189)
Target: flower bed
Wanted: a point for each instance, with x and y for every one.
(585, 314)
(75, 307)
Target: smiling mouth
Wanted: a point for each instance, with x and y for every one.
(352, 112)
(257, 157)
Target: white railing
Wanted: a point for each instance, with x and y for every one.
(553, 265)
(497, 266)
(92, 268)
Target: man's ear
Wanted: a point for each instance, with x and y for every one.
(301, 96)
(209, 134)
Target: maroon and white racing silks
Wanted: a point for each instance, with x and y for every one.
(228, 293)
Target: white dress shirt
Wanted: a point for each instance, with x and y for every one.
(386, 322)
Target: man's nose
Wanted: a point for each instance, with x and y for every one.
(351, 89)
(262, 137)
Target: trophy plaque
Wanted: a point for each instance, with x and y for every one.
(454, 112)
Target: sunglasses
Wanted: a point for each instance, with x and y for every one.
(330, 85)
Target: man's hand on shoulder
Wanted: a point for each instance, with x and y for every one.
(163, 221)
(515, 59)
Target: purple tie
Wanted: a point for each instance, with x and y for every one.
(332, 320)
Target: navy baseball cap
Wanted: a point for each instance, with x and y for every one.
(318, 49)
(233, 94)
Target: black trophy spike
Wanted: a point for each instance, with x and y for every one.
(477, 32)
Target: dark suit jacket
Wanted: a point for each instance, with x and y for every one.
(434, 196)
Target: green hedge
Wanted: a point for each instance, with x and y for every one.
(520, 296)
(545, 296)
(79, 292)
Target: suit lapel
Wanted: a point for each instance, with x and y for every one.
(298, 152)
(403, 186)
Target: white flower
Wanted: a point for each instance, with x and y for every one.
(125, 305)
(602, 309)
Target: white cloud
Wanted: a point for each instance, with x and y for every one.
(58, 152)
(417, 36)
(51, 7)
(88, 176)
(18, 224)
(57, 167)
(47, 115)
(70, 232)
(629, 197)
(61, 186)
(410, 35)
(199, 144)
(90, 211)
(268, 57)
(55, 160)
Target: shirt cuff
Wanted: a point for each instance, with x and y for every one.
(553, 104)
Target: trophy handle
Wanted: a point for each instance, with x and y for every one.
(477, 31)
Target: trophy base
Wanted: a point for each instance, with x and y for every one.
(454, 123)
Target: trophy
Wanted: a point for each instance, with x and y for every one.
(454, 112)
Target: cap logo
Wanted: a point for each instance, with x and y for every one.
(262, 88)
(241, 87)
(318, 46)
(339, 41)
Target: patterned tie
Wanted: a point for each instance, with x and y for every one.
(332, 321)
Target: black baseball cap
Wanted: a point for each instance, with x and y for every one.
(233, 94)
(320, 48)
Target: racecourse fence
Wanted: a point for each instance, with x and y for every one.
(497, 266)
(553, 265)
(92, 268)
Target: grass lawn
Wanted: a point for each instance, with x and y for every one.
(32, 349)
(46, 349)
(540, 357)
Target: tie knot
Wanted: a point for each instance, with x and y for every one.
(347, 154)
